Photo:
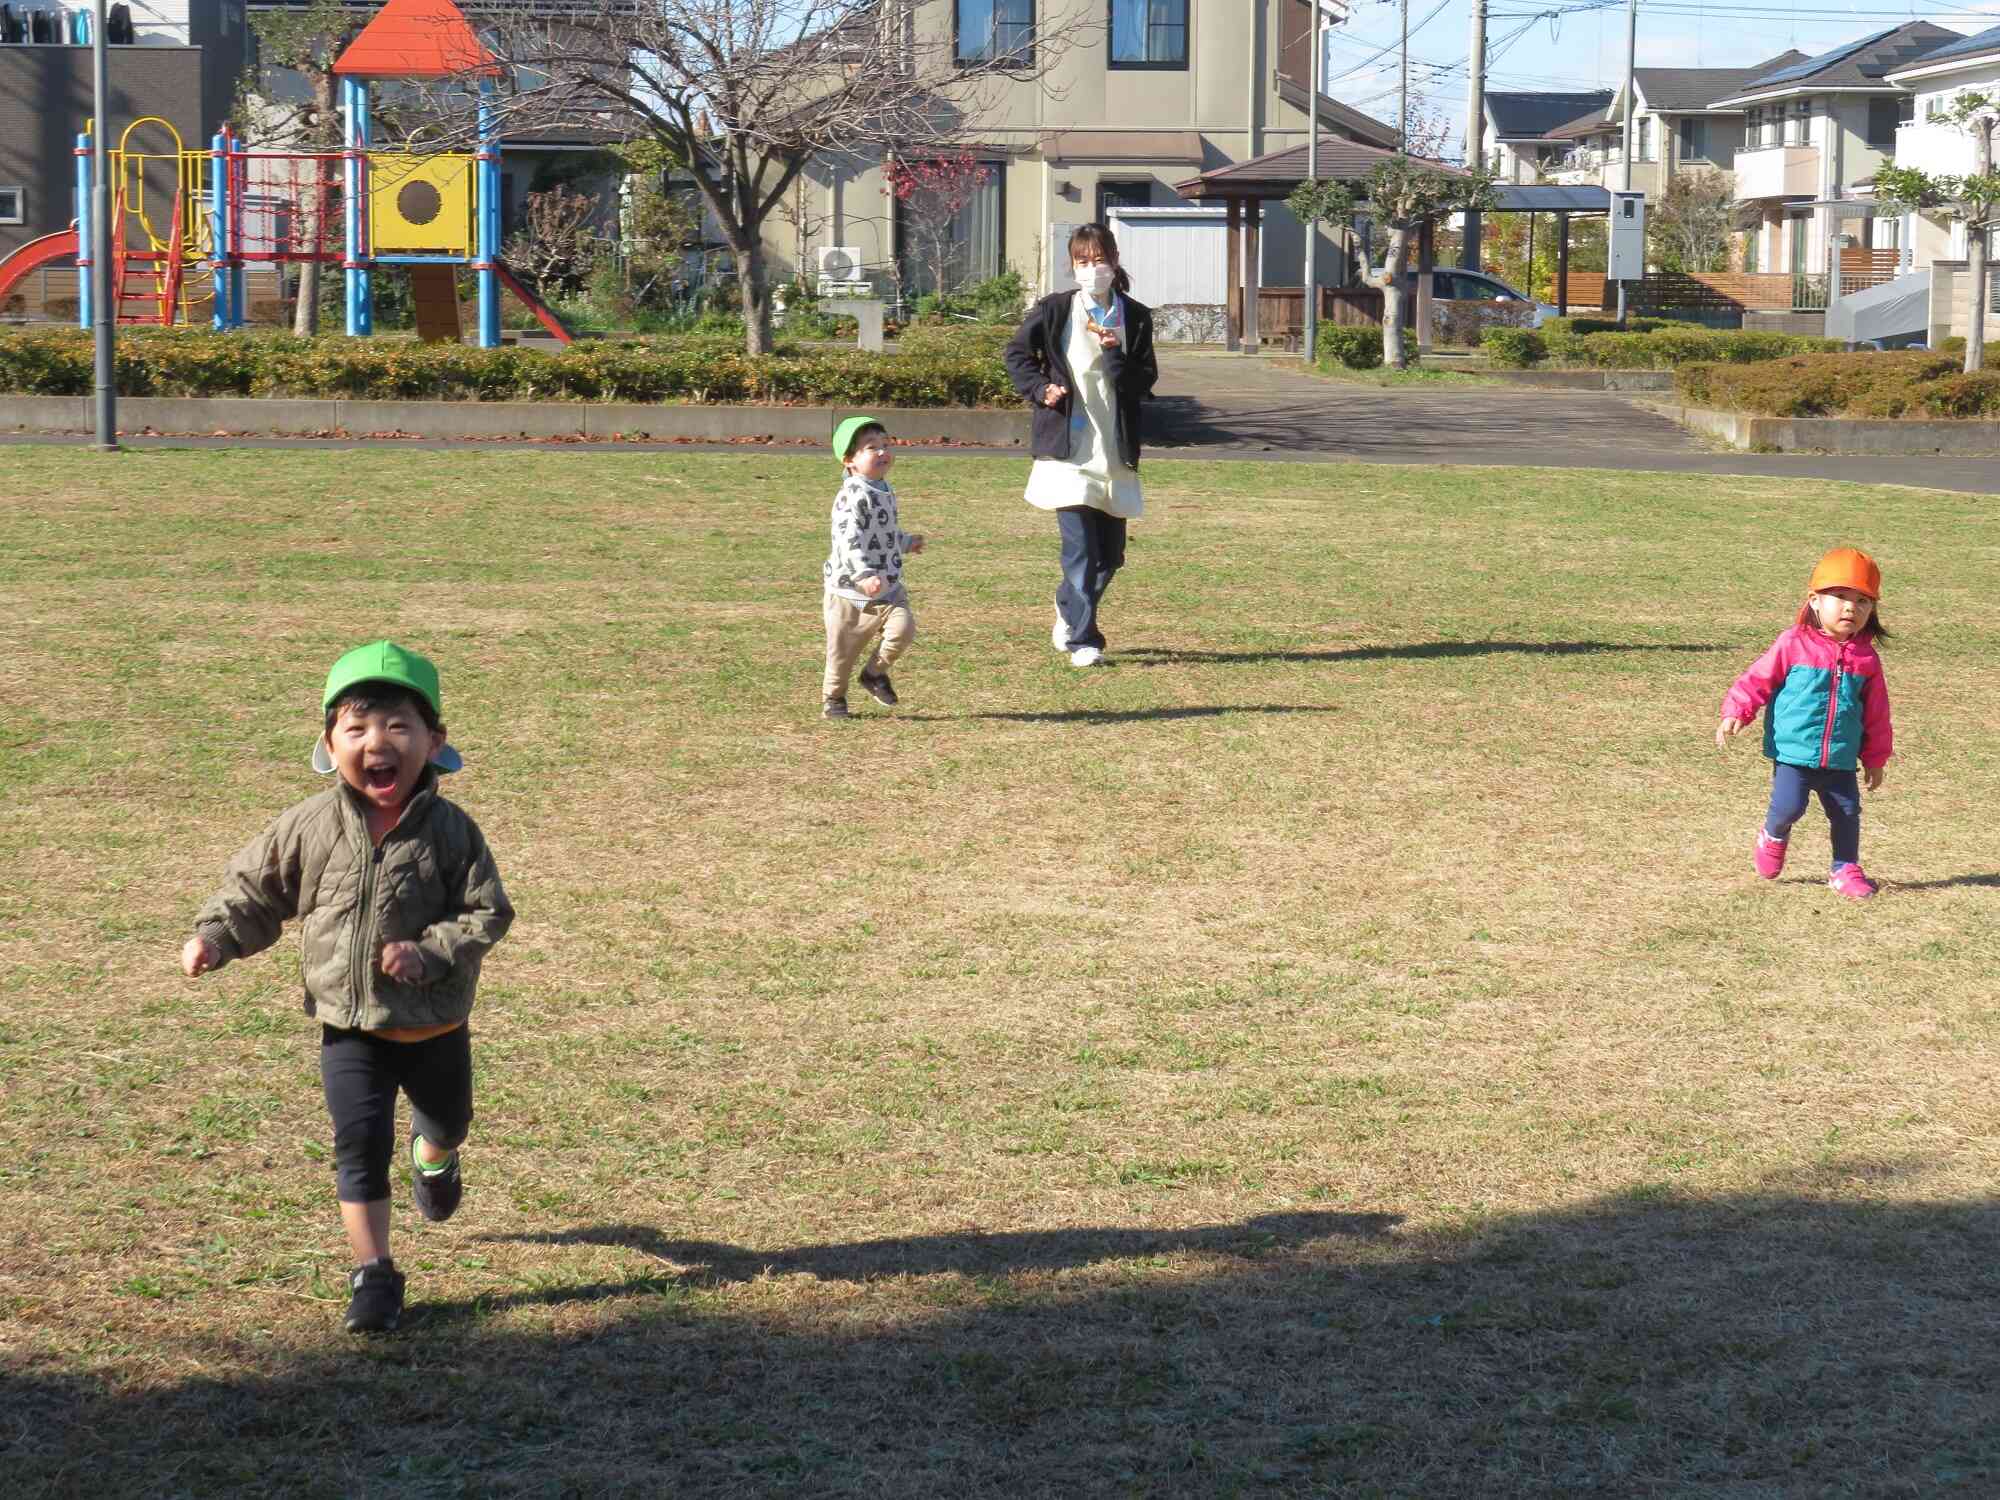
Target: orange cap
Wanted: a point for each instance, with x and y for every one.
(1845, 568)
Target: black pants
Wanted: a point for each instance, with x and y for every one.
(362, 1073)
(1093, 548)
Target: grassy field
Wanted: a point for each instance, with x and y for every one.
(1340, 1048)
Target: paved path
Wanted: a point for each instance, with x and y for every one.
(1229, 407)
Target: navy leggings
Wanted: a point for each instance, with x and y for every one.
(362, 1073)
(1839, 793)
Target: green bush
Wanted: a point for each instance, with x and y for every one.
(1663, 344)
(1354, 346)
(1953, 345)
(1914, 384)
(180, 362)
(1516, 348)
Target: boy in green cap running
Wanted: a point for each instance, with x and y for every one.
(398, 900)
(864, 571)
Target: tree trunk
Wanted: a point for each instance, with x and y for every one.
(750, 277)
(1392, 299)
(1975, 258)
(305, 317)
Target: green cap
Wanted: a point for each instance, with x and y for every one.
(843, 435)
(385, 661)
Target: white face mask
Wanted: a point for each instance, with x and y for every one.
(1094, 279)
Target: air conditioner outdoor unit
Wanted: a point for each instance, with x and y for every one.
(840, 268)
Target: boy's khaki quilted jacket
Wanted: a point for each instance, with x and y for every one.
(430, 881)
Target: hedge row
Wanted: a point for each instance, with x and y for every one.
(1916, 384)
(1643, 344)
(177, 362)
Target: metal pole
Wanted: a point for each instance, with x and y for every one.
(1631, 50)
(100, 243)
(1312, 175)
(1403, 90)
(1475, 127)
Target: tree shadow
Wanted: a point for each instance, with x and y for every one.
(1123, 715)
(1160, 656)
(1803, 1338)
(1987, 882)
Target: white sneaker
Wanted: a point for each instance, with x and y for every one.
(1085, 656)
(1059, 637)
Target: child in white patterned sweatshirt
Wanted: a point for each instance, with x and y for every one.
(864, 571)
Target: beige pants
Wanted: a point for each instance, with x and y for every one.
(851, 628)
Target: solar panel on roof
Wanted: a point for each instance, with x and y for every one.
(1984, 41)
(1814, 64)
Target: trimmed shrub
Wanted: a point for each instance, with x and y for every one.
(1516, 348)
(181, 362)
(1917, 384)
(1659, 344)
(1356, 346)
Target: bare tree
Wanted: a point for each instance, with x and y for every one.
(1691, 224)
(743, 94)
(555, 245)
(306, 42)
(931, 192)
(1403, 193)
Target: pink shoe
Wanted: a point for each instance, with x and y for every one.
(1851, 883)
(1770, 855)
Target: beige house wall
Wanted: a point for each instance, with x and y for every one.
(1228, 97)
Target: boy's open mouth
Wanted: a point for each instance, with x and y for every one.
(379, 778)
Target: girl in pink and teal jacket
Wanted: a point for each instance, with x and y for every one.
(1826, 712)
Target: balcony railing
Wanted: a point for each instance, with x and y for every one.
(1777, 172)
(1938, 149)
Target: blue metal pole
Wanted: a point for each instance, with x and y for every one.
(360, 305)
(488, 220)
(218, 228)
(84, 240)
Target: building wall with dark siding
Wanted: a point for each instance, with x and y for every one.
(45, 99)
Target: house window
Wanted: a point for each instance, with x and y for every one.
(1112, 195)
(1753, 128)
(996, 31)
(1149, 33)
(1693, 145)
(13, 205)
(945, 251)
(1800, 125)
(1884, 115)
(1642, 145)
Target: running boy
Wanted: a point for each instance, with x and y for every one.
(398, 900)
(864, 571)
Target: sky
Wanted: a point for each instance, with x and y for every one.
(1580, 44)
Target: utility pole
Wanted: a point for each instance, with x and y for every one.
(1312, 175)
(104, 315)
(1475, 127)
(1403, 91)
(1625, 179)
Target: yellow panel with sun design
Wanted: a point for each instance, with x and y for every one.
(420, 205)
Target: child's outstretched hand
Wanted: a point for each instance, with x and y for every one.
(1871, 777)
(197, 958)
(404, 961)
(1725, 729)
(916, 545)
(871, 586)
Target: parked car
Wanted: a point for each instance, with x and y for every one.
(1454, 285)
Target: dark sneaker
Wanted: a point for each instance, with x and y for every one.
(378, 1298)
(878, 687)
(437, 1193)
(833, 708)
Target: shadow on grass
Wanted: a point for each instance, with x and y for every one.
(1160, 656)
(1986, 881)
(1806, 1338)
(1124, 715)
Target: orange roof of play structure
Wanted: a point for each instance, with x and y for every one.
(415, 39)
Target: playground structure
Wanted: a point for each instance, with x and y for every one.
(179, 255)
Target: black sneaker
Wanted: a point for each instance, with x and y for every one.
(436, 1193)
(877, 686)
(378, 1298)
(834, 708)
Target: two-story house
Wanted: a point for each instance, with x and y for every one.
(1927, 141)
(1813, 130)
(1522, 127)
(179, 62)
(1168, 89)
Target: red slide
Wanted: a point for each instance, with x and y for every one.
(533, 304)
(33, 256)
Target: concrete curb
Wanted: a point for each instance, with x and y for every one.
(277, 417)
(1587, 380)
(1857, 435)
